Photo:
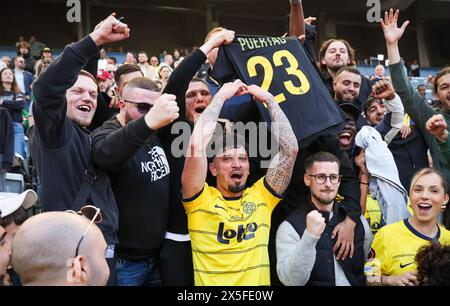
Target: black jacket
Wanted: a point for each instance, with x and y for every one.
(177, 85)
(323, 273)
(60, 148)
(297, 191)
(139, 173)
(6, 139)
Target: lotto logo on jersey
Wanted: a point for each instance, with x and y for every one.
(243, 232)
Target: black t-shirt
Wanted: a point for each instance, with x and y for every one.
(281, 66)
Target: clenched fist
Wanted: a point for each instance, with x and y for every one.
(164, 111)
(437, 127)
(110, 30)
(315, 223)
(383, 90)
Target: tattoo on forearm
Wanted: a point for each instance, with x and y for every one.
(212, 112)
(280, 171)
(205, 126)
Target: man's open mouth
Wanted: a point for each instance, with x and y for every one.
(200, 109)
(84, 108)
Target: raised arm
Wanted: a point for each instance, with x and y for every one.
(384, 90)
(196, 164)
(279, 173)
(112, 148)
(179, 80)
(296, 20)
(411, 100)
(49, 110)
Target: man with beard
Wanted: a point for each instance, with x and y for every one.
(149, 71)
(335, 54)
(229, 225)
(304, 244)
(346, 87)
(139, 174)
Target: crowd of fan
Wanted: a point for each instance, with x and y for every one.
(365, 206)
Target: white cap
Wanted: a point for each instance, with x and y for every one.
(10, 202)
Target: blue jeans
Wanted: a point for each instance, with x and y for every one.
(143, 272)
(19, 140)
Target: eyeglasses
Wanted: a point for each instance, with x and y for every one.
(322, 178)
(90, 212)
(142, 107)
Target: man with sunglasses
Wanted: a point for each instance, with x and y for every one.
(61, 249)
(128, 150)
(304, 242)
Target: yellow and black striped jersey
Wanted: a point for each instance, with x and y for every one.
(230, 236)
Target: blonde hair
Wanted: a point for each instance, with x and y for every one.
(426, 171)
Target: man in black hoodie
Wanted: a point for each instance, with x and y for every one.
(126, 147)
(66, 99)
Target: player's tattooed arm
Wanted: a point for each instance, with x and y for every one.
(279, 173)
(280, 170)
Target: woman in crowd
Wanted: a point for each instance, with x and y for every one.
(395, 245)
(164, 74)
(12, 99)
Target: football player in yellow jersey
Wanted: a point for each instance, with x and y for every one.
(229, 225)
(395, 245)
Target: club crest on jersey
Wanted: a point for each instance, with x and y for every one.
(248, 207)
(243, 232)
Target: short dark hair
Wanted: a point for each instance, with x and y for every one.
(319, 157)
(370, 100)
(125, 69)
(440, 74)
(433, 264)
(18, 217)
(227, 141)
(113, 58)
(350, 69)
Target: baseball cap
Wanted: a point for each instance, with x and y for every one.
(46, 49)
(10, 202)
(103, 75)
(350, 108)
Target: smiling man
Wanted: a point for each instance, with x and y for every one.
(66, 100)
(304, 241)
(335, 54)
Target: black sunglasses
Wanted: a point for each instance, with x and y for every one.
(142, 107)
(93, 214)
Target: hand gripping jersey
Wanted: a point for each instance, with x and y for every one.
(281, 66)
